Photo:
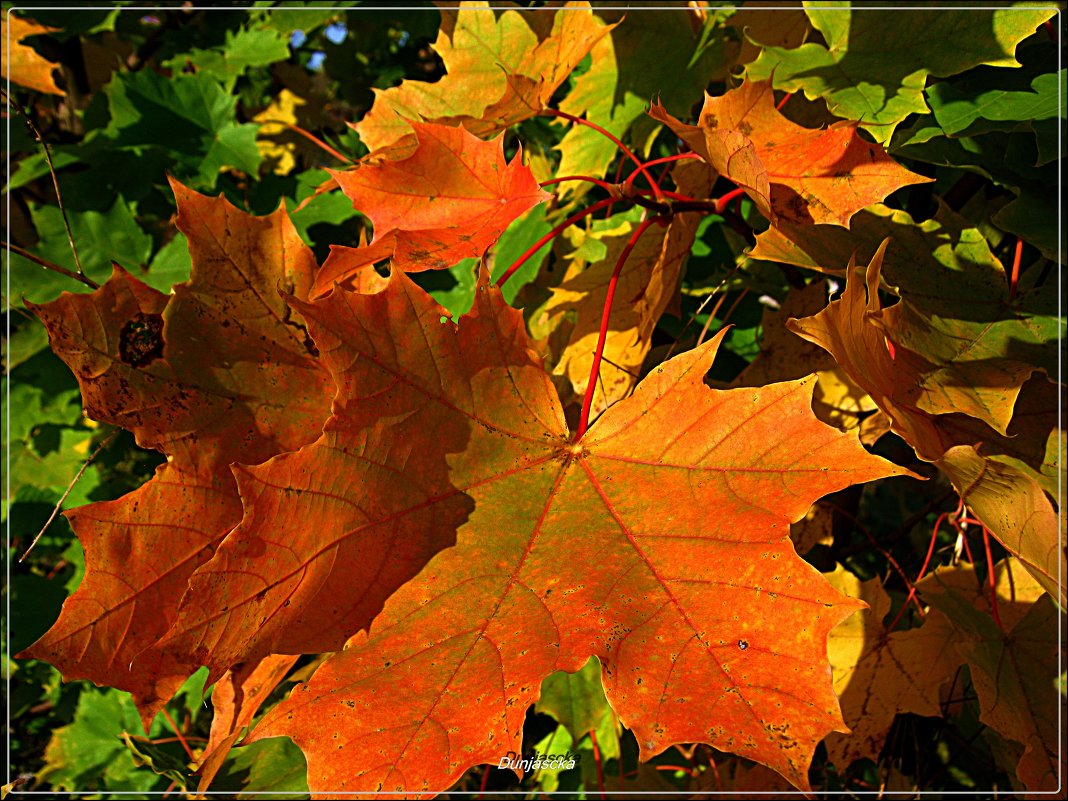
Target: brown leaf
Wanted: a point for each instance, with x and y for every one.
(1015, 671)
(878, 674)
(1005, 491)
(218, 372)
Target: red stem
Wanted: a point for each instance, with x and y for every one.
(482, 785)
(178, 734)
(619, 173)
(926, 562)
(623, 148)
(587, 400)
(722, 202)
(781, 103)
(991, 580)
(310, 137)
(574, 218)
(666, 160)
(1015, 277)
(597, 762)
(669, 195)
(586, 178)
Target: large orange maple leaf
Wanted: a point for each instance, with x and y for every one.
(659, 542)
(220, 371)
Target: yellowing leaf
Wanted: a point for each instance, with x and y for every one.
(501, 69)
(1015, 671)
(878, 674)
(273, 121)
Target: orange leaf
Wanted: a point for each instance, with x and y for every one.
(217, 372)
(22, 64)
(793, 174)
(236, 699)
(447, 200)
(658, 543)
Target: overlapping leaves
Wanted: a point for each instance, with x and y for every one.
(350, 472)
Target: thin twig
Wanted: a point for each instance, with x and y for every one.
(70, 487)
(85, 279)
(55, 180)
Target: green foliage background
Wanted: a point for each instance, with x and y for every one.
(177, 92)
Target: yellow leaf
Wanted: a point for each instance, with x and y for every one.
(274, 123)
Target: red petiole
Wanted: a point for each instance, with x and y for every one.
(615, 140)
(602, 336)
(574, 218)
(1014, 278)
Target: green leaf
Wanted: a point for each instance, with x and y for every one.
(170, 266)
(147, 754)
(959, 111)
(577, 701)
(101, 237)
(190, 116)
(244, 49)
(88, 755)
(27, 340)
(453, 288)
(621, 81)
(515, 240)
(876, 62)
(557, 743)
(275, 766)
(1032, 216)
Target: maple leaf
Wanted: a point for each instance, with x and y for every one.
(501, 68)
(646, 285)
(955, 311)
(875, 63)
(608, 550)
(793, 174)
(447, 199)
(879, 673)
(1008, 494)
(21, 63)
(215, 373)
(1014, 668)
